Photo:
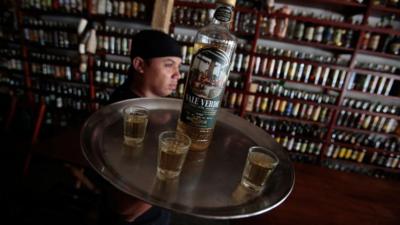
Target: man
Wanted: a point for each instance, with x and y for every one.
(156, 59)
(154, 72)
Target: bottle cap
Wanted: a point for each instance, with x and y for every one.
(227, 2)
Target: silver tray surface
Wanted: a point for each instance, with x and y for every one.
(208, 186)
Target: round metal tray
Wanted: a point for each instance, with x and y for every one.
(209, 183)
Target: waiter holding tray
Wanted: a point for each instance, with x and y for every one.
(154, 72)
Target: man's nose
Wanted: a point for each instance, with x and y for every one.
(177, 73)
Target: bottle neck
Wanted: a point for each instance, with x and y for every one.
(223, 15)
(220, 23)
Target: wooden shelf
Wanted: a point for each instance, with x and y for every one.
(104, 86)
(377, 73)
(335, 5)
(365, 131)
(294, 152)
(77, 113)
(69, 29)
(51, 78)
(5, 56)
(381, 30)
(11, 71)
(100, 87)
(14, 74)
(6, 42)
(363, 164)
(332, 48)
(312, 158)
(192, 27)
(237, 90)
(299, 82)
(379, 54)
(53, 63)
(113, 33)
(244, 35)
(344, 7)
(53, 12)
(312, 139)
(295, 100)
(318, 21)
(361, 147)
(104, 18)
(387, 115)
(378, 10)
(347, 3)
(49, 46)
(285, 118)
(186, 67)
(196, 5)
(44, 92)
(102, 53)
(243, 9)
(110, 70)
(305, 61)
(396, 98)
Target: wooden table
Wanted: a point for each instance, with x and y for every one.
(325, 196)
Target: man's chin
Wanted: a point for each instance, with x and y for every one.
(167, 93)
(172, 89)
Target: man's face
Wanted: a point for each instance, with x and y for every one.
(161, 75)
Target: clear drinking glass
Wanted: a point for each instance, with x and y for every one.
(172, 149)
(135, 124)
(260, 164)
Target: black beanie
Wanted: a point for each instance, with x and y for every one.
(149, 44)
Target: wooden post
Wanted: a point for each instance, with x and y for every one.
(162, 13)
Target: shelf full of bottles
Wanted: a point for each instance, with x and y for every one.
(290, 91)
(46, 52)
(270, 86)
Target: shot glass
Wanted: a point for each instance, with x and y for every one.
(260, 164)
(172, 150)
(135, 124)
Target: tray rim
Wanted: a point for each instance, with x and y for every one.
(156, 202)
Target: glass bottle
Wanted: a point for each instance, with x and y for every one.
(338, 37)
(209, 71)
(327, 37)
(318, 34)
(309, 33)
(374, 42)
(291, 29)
(394, 47)
(299, 31)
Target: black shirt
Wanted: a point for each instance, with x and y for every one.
(156, 215)
(122, 92)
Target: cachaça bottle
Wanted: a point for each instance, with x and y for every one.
(209, 71)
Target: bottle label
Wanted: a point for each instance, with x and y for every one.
(205, 87)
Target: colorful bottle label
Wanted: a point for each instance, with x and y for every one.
(205, 87)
